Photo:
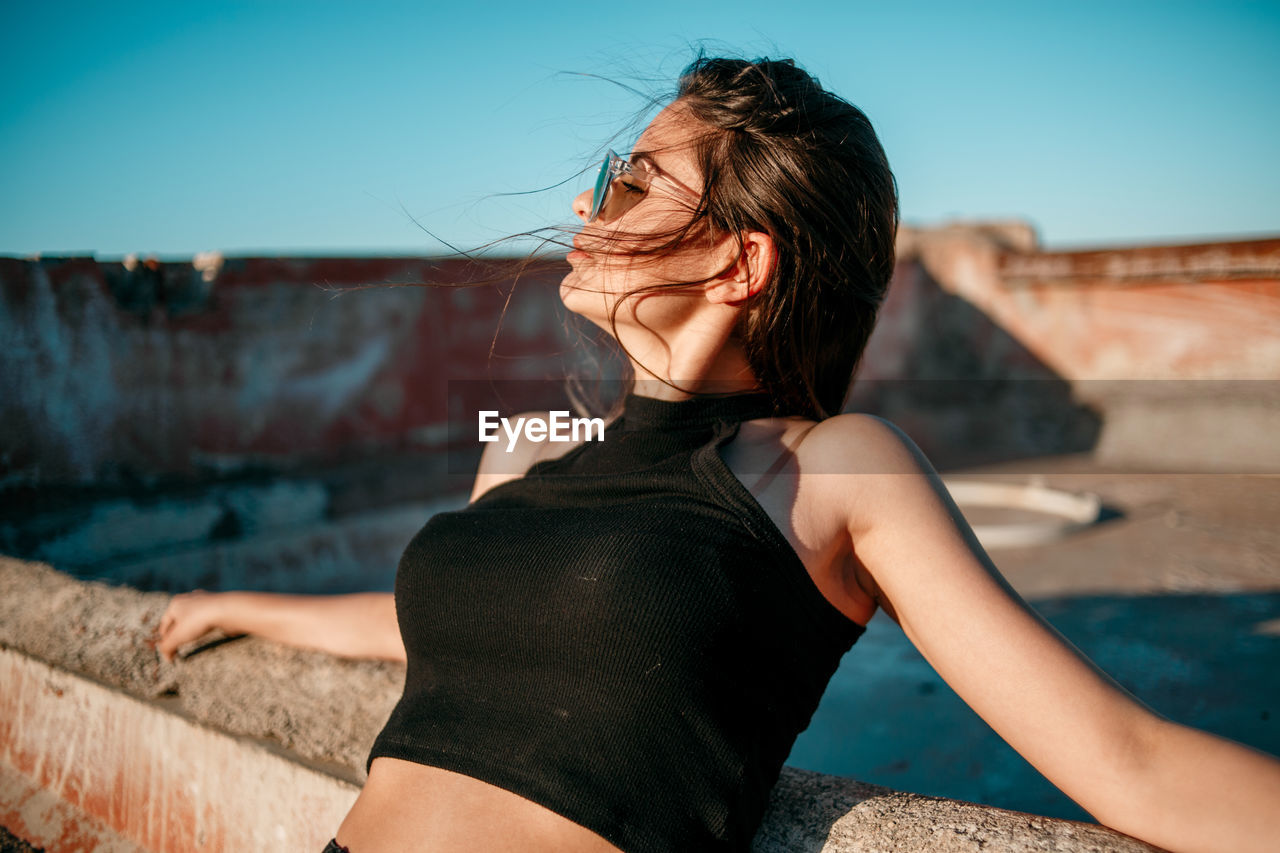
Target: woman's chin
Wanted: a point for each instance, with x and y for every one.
(587, 305)
(571, 296)
(580, 300)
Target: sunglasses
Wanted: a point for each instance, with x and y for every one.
(621, 184)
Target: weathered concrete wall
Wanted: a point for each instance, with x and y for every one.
(152, 373)
(150, 776)
(1175, 346)
(184, 776)
(30, 813)
(150, 409)
(962, 387)
(1205, 311)
(114, 373)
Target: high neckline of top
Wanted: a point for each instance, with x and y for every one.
(641, 412)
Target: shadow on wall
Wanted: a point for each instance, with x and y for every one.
(1207, 661)
(965, 390)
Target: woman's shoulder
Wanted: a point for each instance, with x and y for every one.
(830, 451)
(844, 461)
(813, 479)
(859, 443)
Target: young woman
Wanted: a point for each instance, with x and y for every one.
(613, 648)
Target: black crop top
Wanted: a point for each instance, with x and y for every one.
(622, 635)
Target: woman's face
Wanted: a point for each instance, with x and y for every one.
(608, 263)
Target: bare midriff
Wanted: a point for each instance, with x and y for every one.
(406, 807)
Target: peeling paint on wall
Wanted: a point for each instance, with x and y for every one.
(143, 371)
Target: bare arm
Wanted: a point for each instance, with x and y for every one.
(360, 625)
(1132, 769)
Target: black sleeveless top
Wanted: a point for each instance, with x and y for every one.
(622, 635)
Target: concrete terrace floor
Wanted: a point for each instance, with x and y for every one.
(1175, 594)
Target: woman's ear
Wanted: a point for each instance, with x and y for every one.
(754, 268)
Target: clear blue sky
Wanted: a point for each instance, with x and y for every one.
(313, 127)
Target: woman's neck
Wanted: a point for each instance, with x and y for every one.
(684, 347)
(692, 367)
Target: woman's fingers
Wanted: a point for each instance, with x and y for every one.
(188, 617)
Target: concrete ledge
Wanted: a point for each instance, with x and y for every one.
(815, 813)
(326, 709)
(161, 781)
(184, 772)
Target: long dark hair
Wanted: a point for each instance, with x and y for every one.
(786, 157)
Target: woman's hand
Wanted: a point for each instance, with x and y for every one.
(358, 625)
(189, 617)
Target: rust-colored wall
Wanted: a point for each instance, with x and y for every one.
(154, 372)
(111, 374)
(1204, 311)
(116, 374)
(1173, 347)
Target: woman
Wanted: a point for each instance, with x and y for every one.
(614, 649)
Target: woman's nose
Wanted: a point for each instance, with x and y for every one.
(582, 205)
